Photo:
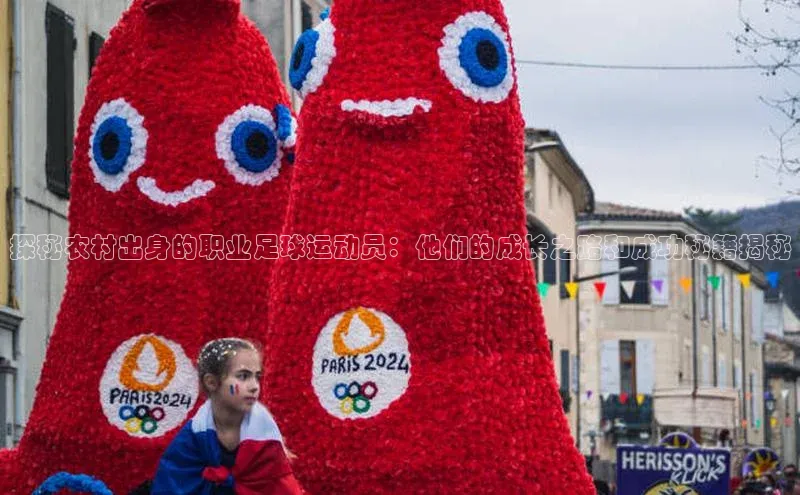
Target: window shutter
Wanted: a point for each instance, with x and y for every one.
(737, 310)
(722, 372)
(645, 366)
(718, 303)
(610, 263)
(549, 264)
(60, 31)
(609, 368)
(564, 369)
(726, 303)
(564, 272)
(95, 44)
(757, 313)
(659, 270)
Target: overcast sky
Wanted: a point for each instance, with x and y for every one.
(653, 139)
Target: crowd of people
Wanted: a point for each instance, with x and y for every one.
(785, 482)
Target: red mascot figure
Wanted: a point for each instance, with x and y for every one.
(182, 160)
(407, 347)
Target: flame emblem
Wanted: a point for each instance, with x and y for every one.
(149, 366)
(377, 332)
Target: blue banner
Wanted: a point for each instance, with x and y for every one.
(663, 470)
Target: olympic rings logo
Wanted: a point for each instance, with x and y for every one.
(141, 418)
(355, 397)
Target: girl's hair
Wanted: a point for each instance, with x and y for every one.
(215, 357)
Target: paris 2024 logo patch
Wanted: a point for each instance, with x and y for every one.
(361, 364)
(148, 386)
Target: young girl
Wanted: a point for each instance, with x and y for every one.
(232, 446)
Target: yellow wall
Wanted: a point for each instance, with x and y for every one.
(5, 152)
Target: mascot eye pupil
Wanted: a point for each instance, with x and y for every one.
(257, 145)
(109, 145)
(487, 54)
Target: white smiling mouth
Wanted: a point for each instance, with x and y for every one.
(395, 108)
(197, 189)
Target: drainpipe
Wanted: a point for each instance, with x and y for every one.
(714, 329)
(577, 350)
(744, 363)
(19, 217)
(694, 328)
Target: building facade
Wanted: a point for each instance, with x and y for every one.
(556, 191)
(674, 341)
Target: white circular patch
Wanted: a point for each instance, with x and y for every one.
(361, 364)
(148, 387)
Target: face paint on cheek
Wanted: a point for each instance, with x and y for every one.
(234, 389)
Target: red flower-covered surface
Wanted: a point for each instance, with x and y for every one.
(405, 375)
(173, 72)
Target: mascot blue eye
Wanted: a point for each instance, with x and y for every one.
(118, 144)
(112, 145)
(251, 143)
(254, 145)
(483, 57)
(476, 57)
(304, 52)
(312, 57)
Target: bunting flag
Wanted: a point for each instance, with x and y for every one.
(572, 289)
(773, 422)
(784, 393)
(639, 399)
(748, 396)
(744, 423)
(658, 284)
(773, 278)
(628, 287)
(714, 281)
(758, 424)
(623, 398)
(605, 396)
(686, 283)
(600, 288)
(797, 272)
(744, 279)
(787, 421)
(543, 287)
(768, 396)
(588, 394)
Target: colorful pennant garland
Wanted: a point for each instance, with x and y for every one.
(600, 288)
(640, 399)
(714, 281)
(543, 287)
(658, 285)
(773, 278)
(628, 286)
(686, 283)
(572, 289)
(744, 279)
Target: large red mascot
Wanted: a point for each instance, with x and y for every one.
(402, 358)
(185, 133)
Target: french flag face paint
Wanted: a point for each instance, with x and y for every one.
(234, 390)
(185, 132)
(440, 369)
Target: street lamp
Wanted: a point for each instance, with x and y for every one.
(627, 270)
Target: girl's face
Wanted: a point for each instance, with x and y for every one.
(240, 387)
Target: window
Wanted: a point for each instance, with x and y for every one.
(705, 293)
(95, 44)
(564, 369)
(737, 375)
(725, 303)
(565, 274)
(549, 265)
(627, 366)
(306, 17)
(706, 376)
(636, 285)
(737, 311)
(722, 372)
(60, 31)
